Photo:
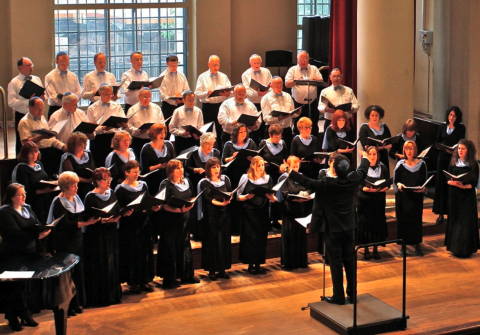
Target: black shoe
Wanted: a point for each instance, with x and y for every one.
(336, 301)
(14, 324)
(71, 312)
(251, 269)
(376, 255)
(27, 320)
(134, 289)
(193, 280)
(167, 285)
(366, 254)
(212, 276)
(146, 288)
(349, 300)
(223, 275)
(440, 220)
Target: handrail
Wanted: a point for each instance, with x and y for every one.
(4, 122)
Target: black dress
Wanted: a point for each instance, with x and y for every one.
(19, 237)
(440, 200)
(234, 171)
(294, 235)
(102, 282)
(149, 157)
(115, 163)
(332, 141)
(68, 237)
(384, 132)
(397, 146)
(30, 177)
(461, 235)
(174, 250)
(101, 147)
(82, 167)
(255, 222)
(372, 223)
(216, 243)
(305, 152)
(409, 204)
(135, 238)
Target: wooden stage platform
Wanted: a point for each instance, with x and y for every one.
(443, 297)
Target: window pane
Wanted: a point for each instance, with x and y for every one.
(310, 8)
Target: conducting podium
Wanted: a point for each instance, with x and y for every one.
(55, 269)
(368, 314)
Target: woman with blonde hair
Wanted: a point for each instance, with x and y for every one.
(304, 145)
(119, 156)
(255, 220)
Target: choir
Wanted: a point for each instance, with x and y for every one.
(118, 187)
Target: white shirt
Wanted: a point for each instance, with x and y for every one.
(341, 96)
(209, 82)
(28, 123)
(139, 116)
(131, 97)
(57, 82)
(98, 113)
(181, 117)
(15, 101)
(230, 111)
(173, 84)
(302, 92)
(263, 76)
(92, 82)
(74, 119)
(273, 102)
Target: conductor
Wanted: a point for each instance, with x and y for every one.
(338, 219)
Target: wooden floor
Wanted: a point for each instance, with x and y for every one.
(443, 295)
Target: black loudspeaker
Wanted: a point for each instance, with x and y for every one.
(278, 58)
(316, 38)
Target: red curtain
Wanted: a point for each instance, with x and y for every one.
(343, 39)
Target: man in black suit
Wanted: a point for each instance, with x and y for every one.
(338, 219)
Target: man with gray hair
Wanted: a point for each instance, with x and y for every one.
(67, 118)
(259, 74)
(207, 82)
(232, 108)
(16, 102)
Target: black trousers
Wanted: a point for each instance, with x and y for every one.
(340, 253)
(168, 109)
(210, 113)
(52, 109)
(18, 143)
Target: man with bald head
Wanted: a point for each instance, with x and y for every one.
(135, 73)
(59, 81)
(15, 101)
(277, 100)
(232, 108)
(305, 96)
(207, 82)
(97, 77)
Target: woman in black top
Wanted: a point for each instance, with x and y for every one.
(409, 133)
(237, 166)
(255, 220)
(461, 235)
(80, 161)
(294, 235)
(102, 283)
(29, 172)
(119, 156)
(448, 134)
(19, 230)
(155, 155)
(216, 244)
(304, 145)
(410, 171)
(372, 223)
(175, 251)
(338, 132)
(67, 235)
(376, 129)
(135, 234)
